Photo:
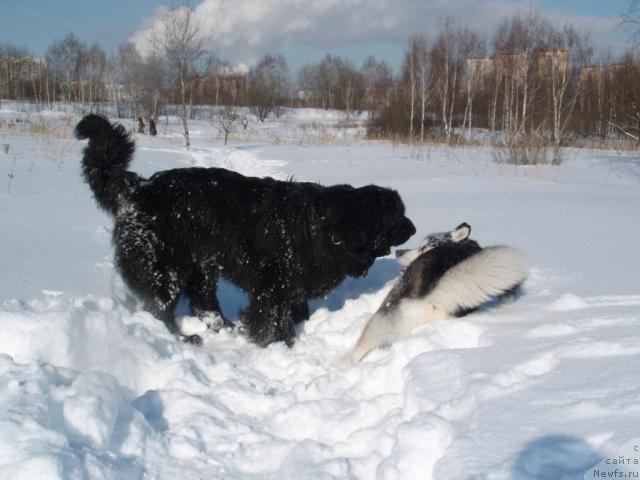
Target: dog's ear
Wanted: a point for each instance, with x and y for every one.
(461, 232)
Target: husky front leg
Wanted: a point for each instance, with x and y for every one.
(386, 327)
(378, 331)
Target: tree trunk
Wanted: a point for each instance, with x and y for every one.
(183, 97)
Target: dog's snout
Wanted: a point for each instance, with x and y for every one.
(410, 226)
(404, 231)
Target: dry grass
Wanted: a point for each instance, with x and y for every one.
(431, 137)
(60, 129)
(306, 133)
(526, 149)
(53, 138)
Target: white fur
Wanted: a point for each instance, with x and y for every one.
(461, 233)
(409, 256)
(475, 280)
(469, 284)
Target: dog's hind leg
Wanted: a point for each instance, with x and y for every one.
(157, 284)
(164, 311)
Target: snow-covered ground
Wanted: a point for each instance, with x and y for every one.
(541, 388)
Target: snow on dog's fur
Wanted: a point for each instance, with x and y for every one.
(282, 242)
(449, 275)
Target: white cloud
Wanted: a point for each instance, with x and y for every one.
(243, 30)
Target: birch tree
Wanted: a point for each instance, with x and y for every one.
(448, 57)
(185, 46)
(410, 80)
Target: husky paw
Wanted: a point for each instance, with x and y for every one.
(344, 362)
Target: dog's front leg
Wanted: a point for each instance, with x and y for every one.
(300, 311)
(269, 318)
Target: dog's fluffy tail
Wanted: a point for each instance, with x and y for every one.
(492, 272)
(106, 159)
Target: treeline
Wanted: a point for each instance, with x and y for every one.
(529, 78)
(75, 72)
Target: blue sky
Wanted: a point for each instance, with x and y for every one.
(324, 28)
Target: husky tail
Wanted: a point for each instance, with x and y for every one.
(106, 159)
(492, 272)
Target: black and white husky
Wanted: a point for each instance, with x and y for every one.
(449, 275)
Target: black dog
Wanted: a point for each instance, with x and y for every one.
(281, 242)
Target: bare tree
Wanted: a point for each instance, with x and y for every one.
(95, 64)
(475, 73)
(151, 77)
(267, 85)
(332, 83)
(350, 89)
(630, 19)
(185, 46)
(228, 119)
(624, 96)
(320, 82)
(423, 63)
(378, 83)
(128, 61)
(410, 80)
(328, 73)
(448, 57)
(63, 58)
(567, 55)
(308, 85)
(516, 44)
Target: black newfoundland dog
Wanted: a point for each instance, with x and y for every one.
(282, 242)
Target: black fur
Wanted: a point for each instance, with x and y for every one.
(282, 242)
(106, 159)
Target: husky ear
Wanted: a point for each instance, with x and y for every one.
(461, 232)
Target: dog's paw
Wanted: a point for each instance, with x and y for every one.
(192, 339)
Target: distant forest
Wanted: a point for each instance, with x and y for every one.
(529, 77)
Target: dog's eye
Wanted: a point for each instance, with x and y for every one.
(336, 240)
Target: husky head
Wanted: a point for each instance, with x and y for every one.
(433, 240)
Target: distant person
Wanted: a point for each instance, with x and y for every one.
(140, 125)
(152, 127)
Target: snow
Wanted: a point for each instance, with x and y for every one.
(540, 388)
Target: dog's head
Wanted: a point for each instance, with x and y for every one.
(361, 224)
(434, 240)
